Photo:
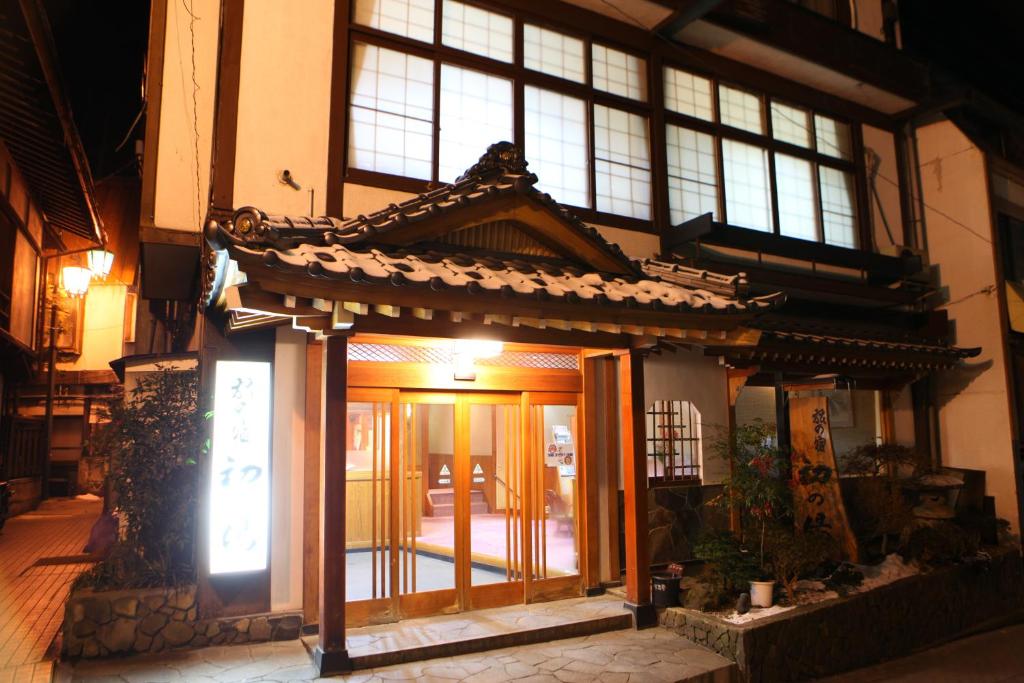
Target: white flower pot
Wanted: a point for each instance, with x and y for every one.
(762, 593)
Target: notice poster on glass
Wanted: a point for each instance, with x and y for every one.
(240, 474)
(560, 449)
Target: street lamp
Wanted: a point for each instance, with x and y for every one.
(100, 262)
(75, 280)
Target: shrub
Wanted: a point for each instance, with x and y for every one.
(152, 440)
(886, 508)
(794, 554)
(728, 569)
(938, 543)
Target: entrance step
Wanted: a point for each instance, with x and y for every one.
(441, 502)
(449, 635)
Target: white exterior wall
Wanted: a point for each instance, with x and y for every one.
(102, 328)
(974, 406)
(287, 470)
(886, 207)
(691, 376)
(284, 105)
(186, 116)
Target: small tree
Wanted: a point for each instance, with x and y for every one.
(793, 554)
(152, 440)
(757, 481)
(890, 465)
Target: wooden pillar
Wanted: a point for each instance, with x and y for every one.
(330, 655)
(611, 441)
(782, 417)
(311, 483)
(634, 483)
(587, 478)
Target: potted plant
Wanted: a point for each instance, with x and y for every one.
(756, 486)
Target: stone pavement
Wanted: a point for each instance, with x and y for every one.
(652, 655)
(993, 657)
(32, 597)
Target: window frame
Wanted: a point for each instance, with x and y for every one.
(653, 110)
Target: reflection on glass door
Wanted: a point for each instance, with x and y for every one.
(492, 445)
(367, 501)
(553, 492)
(426, 558)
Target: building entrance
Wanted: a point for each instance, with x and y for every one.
(459, 500)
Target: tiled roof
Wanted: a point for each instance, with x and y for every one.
(500, 172)
(660, 286)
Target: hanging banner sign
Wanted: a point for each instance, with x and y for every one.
(817, 499)
(240, 468)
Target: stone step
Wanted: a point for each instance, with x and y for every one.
(481, 631)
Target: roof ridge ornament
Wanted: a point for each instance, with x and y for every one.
(501, 158)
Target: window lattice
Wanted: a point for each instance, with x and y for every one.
(673, 442)
(442, 355)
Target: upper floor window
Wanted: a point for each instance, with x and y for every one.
(784, 168)
(434, 82)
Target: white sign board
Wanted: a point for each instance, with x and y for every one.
(240, 459)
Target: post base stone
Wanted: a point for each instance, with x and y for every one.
(331, 662)
(644, 616)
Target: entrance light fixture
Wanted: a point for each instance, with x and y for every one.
(465, 352)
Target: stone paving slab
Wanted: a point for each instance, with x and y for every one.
(32, 597)
(486, 623)
(653, 655)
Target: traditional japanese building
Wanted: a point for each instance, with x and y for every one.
(444, 381)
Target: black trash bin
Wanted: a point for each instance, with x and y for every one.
(665, 589)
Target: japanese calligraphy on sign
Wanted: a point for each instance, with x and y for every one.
(240, 461)
(817, 500)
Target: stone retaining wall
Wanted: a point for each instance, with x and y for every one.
(157, 619)
(864, 628)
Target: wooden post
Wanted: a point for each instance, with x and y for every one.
(311, 483)
(634, 483)
(587, 478)
(330, 655)
(611, 440)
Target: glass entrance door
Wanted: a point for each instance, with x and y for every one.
(459, 501)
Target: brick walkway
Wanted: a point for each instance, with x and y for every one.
(32, 598)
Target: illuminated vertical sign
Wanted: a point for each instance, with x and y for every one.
(240, 476)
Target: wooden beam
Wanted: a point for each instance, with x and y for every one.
(388, 310)
(330, 654)
(340, 318)
(634, 483)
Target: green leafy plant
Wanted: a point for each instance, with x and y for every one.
(728, 569)
(794, 554)
(757, 482)
(152, 439)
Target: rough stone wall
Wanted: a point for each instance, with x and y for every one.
(839, 635)
(157, 619)
(677, 516)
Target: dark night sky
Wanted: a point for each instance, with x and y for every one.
(101, 45)
(977, 40)
(102, 49)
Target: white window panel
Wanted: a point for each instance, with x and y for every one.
(837, 207)
(740, 109)
(392, 112)
(476, 112)
(553, 53)
(476, 30)
(798, 203)
(791, 124)
(622, 163)
(619, 73)
(833, 137)
(688, 94)
(747, 189)
(556, 144)
(411, 18)
(692, 174)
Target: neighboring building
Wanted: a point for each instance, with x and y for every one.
(735, 151)
(51, 215)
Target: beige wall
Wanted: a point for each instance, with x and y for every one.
(974, 413)
(284, 105)
(182, 156)
(103, 328)
(287, 466)
(691, 376)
